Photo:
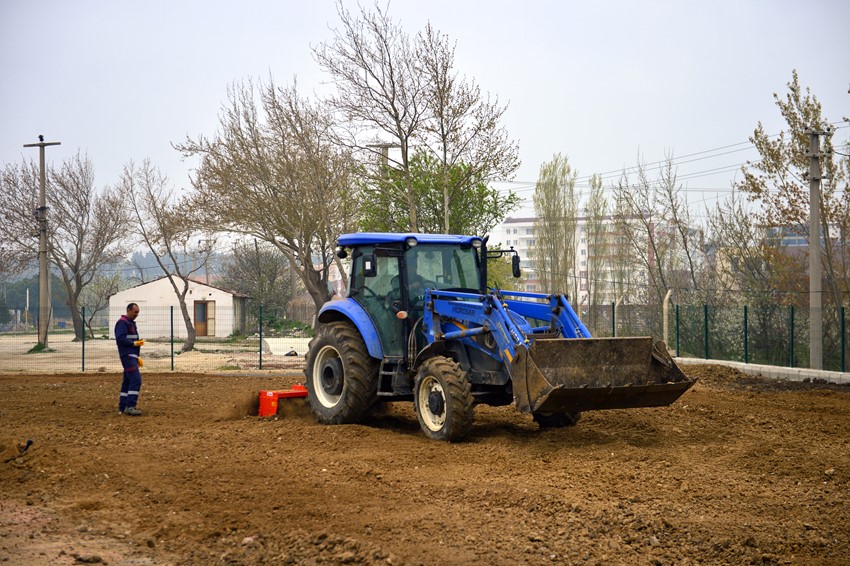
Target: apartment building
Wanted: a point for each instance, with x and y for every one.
(518, 233)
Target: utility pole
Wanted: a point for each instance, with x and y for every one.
(41, 216)
(815, 268)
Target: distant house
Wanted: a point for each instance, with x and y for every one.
(213, 311)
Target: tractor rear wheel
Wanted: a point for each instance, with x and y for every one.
(556, 420)
(442, 397)
(342, 381)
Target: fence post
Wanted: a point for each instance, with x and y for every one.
(792, 337)
(613, 320)
(84, 339)
(172, 337)
(705, 328)
(261, 336)
(677, 332)
(746, 338)
(843, 342)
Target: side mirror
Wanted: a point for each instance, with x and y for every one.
(515, 266)
(370, 266)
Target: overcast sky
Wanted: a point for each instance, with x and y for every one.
(598, 81)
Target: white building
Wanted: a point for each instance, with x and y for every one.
(518, 233)
(213, 311)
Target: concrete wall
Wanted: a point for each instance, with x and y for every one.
(774, 372)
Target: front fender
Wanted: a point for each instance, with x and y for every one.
(352, 311)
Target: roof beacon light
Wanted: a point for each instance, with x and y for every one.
(411, 241)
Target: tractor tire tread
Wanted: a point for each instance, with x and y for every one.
(360, 393)
(459, 400)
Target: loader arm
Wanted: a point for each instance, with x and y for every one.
(479, 314)
(559, 366)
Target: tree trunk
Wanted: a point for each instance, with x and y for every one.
(73, 306)
(189, 343)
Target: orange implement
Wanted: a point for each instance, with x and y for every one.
(268, 399)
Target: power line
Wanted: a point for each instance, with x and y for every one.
(674, 161)
(640, 285)
(685, 176)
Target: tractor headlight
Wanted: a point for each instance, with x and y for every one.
(411, 241)
(476, 243)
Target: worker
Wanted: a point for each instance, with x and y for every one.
(129, 348)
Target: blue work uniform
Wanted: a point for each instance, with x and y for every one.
(126, 335)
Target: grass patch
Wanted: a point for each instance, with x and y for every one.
(40, 349)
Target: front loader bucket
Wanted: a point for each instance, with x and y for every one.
(584, 374)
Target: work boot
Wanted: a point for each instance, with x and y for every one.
(133, 412)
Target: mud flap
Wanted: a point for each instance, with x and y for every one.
(585, 374)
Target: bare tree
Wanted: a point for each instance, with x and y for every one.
(556, 209)
(745, 252)
(380, 92)
(641, 219)
(86, 226)
(274, 172)
(95, 297)
(598, 246)
(260, 271)
(463, 126)
(164, 226)
(779, 182)
(687, 257)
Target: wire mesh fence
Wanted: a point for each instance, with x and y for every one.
(224, 341)
(257, 339)
(768, 334)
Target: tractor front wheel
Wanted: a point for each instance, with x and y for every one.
(442, 397)
(342, 381)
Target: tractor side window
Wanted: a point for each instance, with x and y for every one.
(386, 268)
(379, 295)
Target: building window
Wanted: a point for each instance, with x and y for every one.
(583, 251)
(528, 231)
(529, 242)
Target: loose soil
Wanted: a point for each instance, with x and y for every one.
(739, 470)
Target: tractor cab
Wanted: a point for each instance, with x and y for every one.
(390, 272)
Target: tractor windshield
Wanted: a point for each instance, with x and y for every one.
(442, 266)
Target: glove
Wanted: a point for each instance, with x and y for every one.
(139, 343)
(141, 363)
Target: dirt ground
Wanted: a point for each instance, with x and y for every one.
(738, 471)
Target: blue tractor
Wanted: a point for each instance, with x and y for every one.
(420, 324)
